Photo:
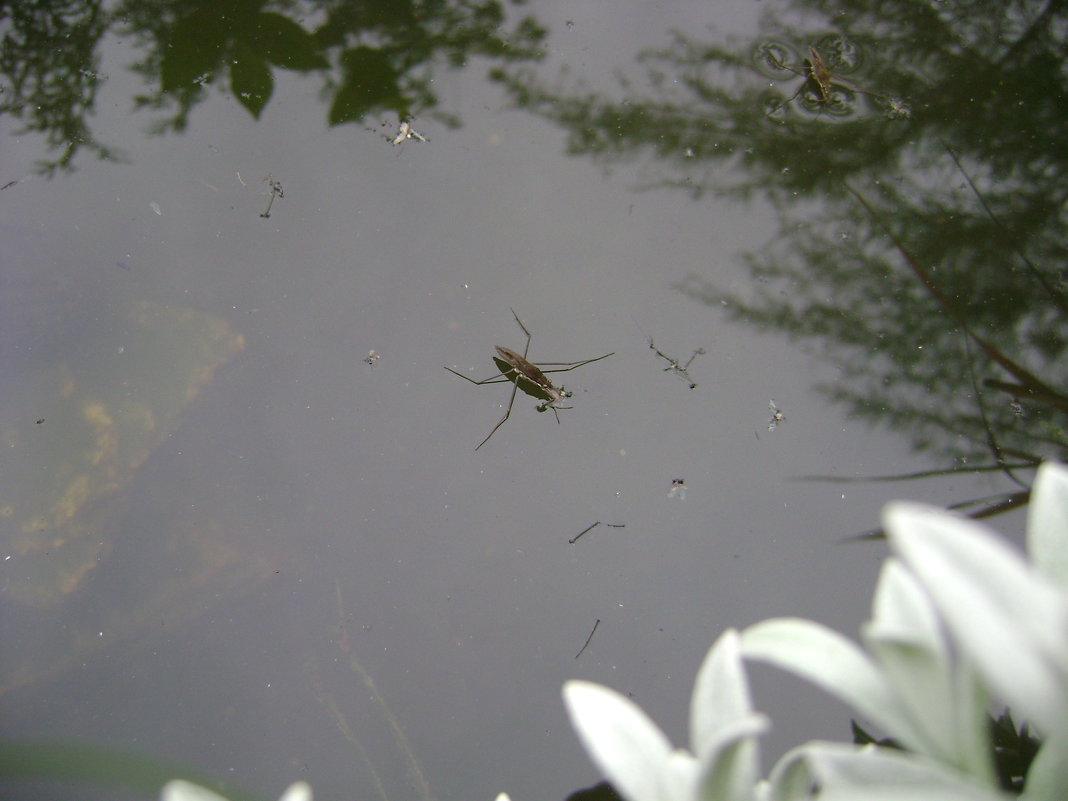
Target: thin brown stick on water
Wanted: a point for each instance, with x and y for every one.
(592, 526)
(595, 625)
(1021, 373)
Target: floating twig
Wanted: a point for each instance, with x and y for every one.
(592, 526)
(595, 625)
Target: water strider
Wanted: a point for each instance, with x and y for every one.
(529, 377)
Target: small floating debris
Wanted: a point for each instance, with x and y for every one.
(406, 131)
(276, 191)
(678, 489)
(776, 416)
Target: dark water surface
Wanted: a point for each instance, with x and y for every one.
(251, 533)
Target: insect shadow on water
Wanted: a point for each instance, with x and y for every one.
(681, 370)
(529, 377)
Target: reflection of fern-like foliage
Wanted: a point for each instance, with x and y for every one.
(945, 271)
(50, 66)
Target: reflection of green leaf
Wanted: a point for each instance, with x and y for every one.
(250, 78)
(195, 47)
(285, 44)
(370, 82)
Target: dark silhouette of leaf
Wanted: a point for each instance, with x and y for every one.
(285, 44)
(369, 83)
(250, 78)
(1014, 751)
(195, 48)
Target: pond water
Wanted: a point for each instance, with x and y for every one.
(247, 528)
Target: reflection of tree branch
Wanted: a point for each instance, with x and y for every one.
(1055, 295)
(1034, 31)
(374, 57)
(1026, 377)
(937, 78)
(921, 474)
(1050, 398)
(991, 439)
(50, 61)
(1000, 504)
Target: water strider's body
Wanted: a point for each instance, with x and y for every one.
(529, 377)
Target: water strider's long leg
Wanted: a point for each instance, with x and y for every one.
(574, 365)
(508, 411)
(500, 378)
(525, 331)
(565, 365)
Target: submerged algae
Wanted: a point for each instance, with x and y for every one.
(74, 435)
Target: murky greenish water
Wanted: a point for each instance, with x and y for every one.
(245, 525)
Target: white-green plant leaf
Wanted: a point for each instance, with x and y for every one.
(1047, 523)
(861, 773)
(720, 693)
(723, 726)
(904, 636)
(1007, 618)
(945, 706)
(832, 662)
(181, 790)
(901, 611)
(974, 744)
(1048, 774)
(298, 791)
(728, 772)
(627, 746)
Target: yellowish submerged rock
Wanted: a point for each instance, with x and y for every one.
(74, 435)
